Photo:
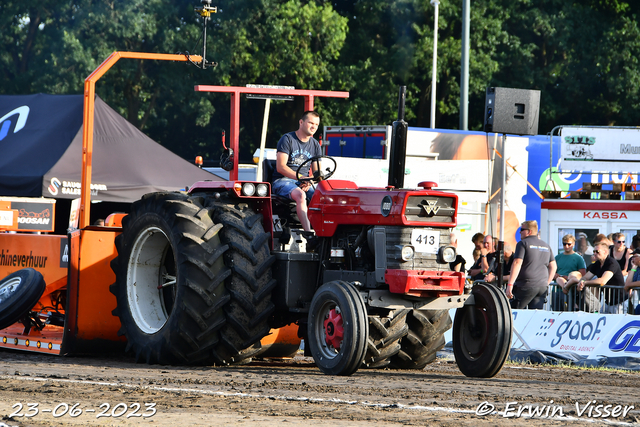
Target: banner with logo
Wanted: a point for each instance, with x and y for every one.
(599, 149)
(36, 214)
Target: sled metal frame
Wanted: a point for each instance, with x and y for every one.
(88, 115)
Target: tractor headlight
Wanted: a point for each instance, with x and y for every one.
(262, 190)
(248, 189)
(446, 254)
(407, 253)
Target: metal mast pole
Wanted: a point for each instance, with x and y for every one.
(436, 4)
(464, 72)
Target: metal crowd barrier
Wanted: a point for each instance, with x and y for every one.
(593, 299)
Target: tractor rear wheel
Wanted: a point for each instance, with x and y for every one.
(337, 328)
(424, 339)
(173, 292)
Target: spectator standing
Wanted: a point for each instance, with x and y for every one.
(605, 271)
(533, 269)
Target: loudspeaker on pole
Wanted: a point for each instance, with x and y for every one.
(511, 111)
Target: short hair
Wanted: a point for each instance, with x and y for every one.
(531, 225)
(616, 236)
(568, 238)
(477, 238)
(601, 238)
(635, 241)
(306, 114)
(603, 244)
(508, 247)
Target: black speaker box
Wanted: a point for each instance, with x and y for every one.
(512, 111)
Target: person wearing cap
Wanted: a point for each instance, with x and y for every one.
(583, 247)
(534, 267)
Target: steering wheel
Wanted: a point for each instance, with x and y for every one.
(318, 175)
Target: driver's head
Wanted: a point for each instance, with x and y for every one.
(309, 123)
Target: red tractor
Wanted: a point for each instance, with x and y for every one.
(202, 276)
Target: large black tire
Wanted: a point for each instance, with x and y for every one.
(424, 339)
(385, 333)
(482, 333)
(250, 283)
(175, 297)
(19, 292)
(337, 328)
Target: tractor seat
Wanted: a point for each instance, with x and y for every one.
(284, 207)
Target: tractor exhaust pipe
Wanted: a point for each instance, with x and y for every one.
(398, 145)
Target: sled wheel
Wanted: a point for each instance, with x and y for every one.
(338, 328)
(19, 292)
(424, 339)
(385, 333)
(482, 333)
(172, 285)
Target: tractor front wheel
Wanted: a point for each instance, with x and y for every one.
(482, 332)
(337, 328)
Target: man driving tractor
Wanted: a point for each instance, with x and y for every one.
(294, 149)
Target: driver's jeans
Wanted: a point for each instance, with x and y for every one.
(284, 186)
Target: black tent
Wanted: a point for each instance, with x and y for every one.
(41, 146)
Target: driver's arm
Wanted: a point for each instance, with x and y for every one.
(314, 167)
(281, 165)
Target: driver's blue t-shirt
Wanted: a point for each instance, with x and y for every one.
(298, 151)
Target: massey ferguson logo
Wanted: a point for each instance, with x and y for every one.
(5, 123)
(430, 207)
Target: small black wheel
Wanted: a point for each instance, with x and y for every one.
(19, 292)
(482, 333)
(320, 174)
(338, 328)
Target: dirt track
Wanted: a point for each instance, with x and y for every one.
(297, 393)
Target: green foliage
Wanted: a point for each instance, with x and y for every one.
(582, 55)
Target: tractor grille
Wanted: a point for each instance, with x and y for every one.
(396, 237)
(430, 209)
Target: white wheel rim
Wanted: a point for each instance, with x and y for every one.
(8, 288)
(144, 276)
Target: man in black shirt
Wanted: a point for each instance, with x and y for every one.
(533, 269)
(605, 271)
